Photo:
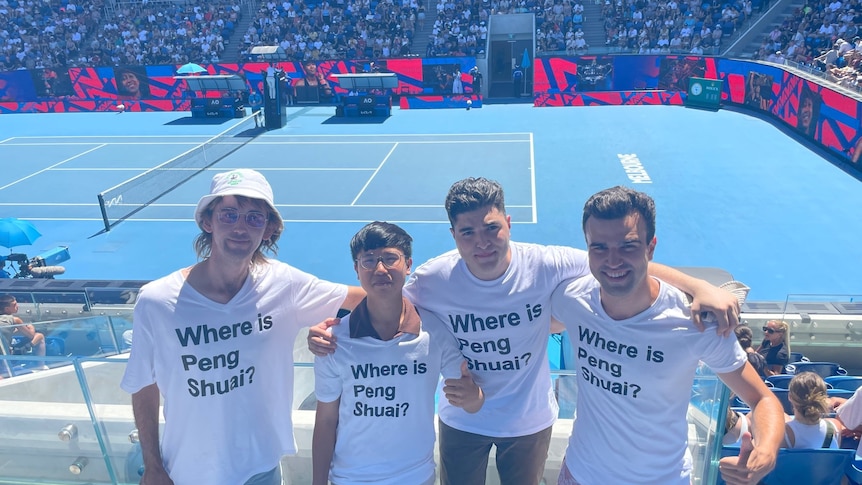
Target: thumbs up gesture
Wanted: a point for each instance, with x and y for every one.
(745, 469)
(463, 391)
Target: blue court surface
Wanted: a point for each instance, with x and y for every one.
(732, 191)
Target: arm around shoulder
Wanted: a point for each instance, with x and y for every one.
(705, 298)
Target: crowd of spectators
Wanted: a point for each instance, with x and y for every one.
(822, 35)
(643, 26)
(60, 34)
(341, 29)
(461, 28)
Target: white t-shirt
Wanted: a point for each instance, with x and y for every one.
(385, 433)
(635, 385)
(502, 327)
(225, 370)
(811, 436)
(851, 415)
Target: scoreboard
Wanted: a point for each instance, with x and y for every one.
(216, 108)
(365, 105)
(704, 93)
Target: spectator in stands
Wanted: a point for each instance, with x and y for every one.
(131, 83)
(849, 411)
(11, 325)
(736, 424)
(775, 347)
(809, 428)
(829, 59)
(387, 330)
(645, 391)
(745, 336)
(210, 340)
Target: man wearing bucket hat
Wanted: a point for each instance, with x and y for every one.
(210, 339)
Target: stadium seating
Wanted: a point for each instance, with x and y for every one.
(809, 467)
(824, 369)
(798, 357)
(779, 381)
(850, 383)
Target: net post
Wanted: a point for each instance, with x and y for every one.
(104, 213)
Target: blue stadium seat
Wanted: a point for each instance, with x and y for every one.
(810, 467)
(798, 357)
(850, 383)
(55, 346)
(824, 369)
(855, 473)
(782, 396)
(779, 381)
(842, 393)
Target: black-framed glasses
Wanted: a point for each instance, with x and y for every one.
(770, 330)
(252, 218)
(369, 262)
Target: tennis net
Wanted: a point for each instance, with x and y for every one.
(125, 199)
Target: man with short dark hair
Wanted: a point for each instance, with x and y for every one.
(375, 396)
(638, 352)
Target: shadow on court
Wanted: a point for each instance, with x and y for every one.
(188, 120)
(357, 120)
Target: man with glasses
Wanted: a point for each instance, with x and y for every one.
(210, 339)
(494, 296)
(375, 396)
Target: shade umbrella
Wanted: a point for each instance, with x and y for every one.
(191, 68)
(15, 232)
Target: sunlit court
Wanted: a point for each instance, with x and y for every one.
(733, 191)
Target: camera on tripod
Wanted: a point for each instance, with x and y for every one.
(45, 265)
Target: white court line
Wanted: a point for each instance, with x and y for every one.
(375, 206)
(288, 221)
(48, 204)
(533, 179)
(52, 166)
(147, 143)
(98, 137)
(76, 219)
(381, 142)
(347, 135)
(8, 139)
(217, 169)
(375, 173)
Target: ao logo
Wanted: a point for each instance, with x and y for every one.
(114, 201)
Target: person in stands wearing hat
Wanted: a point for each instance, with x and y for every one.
(213, 340)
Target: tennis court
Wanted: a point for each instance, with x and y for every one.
(732, 190)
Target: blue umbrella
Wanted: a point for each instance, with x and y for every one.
(191, 68)
(15, 232)
(525, 60)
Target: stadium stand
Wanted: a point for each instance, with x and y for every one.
(59, 34)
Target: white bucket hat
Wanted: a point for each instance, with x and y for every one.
(244, 182)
